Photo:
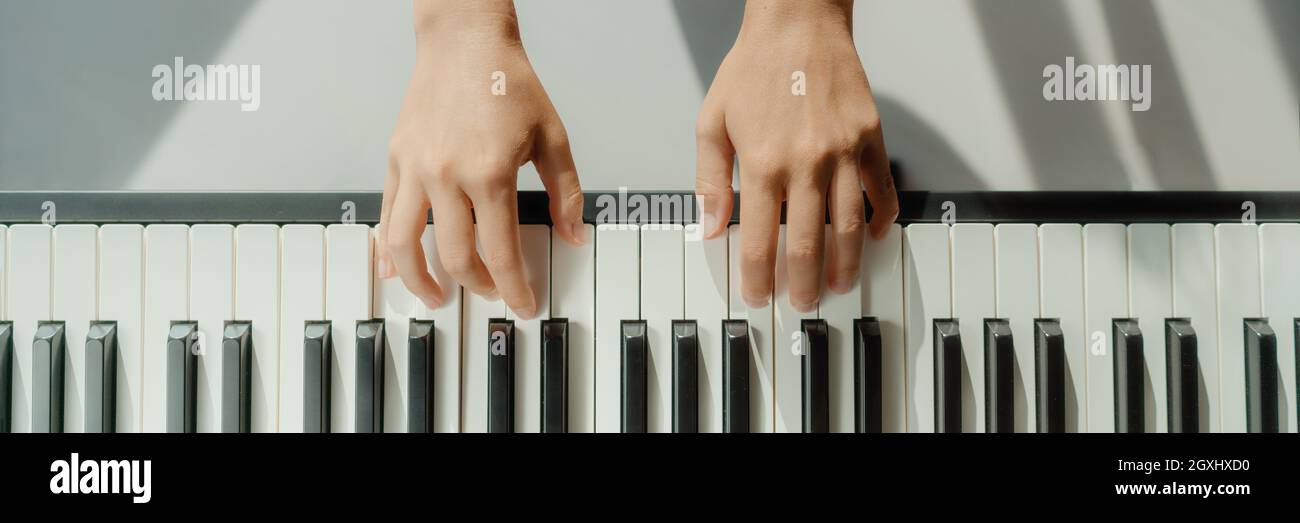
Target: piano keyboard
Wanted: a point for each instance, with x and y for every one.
(1022, 312)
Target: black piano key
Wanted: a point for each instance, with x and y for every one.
(1130, 386)
(816, 377)
(501, 375)
(47, 377)
(735, 376)
(318, 343)
(947, 376)
(1261, 376)
(999, 372)
(182, 376)
(686, 376)
(634, 354)
(236, 376)
(1181, 374)
(6, 374)
(868, 377)
(101, 377)
(1049, 375)
(419, 395)
(555, 375)
(369, 396)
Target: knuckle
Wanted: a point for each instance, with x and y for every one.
(755, 255)
(572, 199)
(803, 251)
(557, 137)
(400, 240)
(888, 207)
(458, 263)
(500, 261)
(870, 128)
(763, 160)
(850, 226)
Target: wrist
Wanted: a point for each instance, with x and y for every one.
(481, 22)
(769, 16)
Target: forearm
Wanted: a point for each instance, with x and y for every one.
(493, 20)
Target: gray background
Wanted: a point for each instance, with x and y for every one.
(958, 83)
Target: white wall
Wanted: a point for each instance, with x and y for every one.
(958, 83)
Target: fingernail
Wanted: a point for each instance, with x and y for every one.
(841, 284)
(580, 233)
(492, 295)
(757, 303)
(709, 209)
(385, 268)
(804, 307)
(707, 223)
(526, 313)
(430, 303)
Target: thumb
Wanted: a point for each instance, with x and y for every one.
(554, 162)
(715, 157)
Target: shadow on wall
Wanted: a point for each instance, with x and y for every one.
(1284, 17)
(60, 96)
(921, 152)
(1067, 144)
(1167, 134)
(710, 27)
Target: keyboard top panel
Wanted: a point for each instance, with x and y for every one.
(650, 207)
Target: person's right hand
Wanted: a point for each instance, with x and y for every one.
(458, 147)
(812, 150)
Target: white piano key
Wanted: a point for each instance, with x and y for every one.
(302, 299)
(973, 301)
(1060, 251)
(348, 273)
(1279, 252)
(447, 340)
(1195, 297)
(573, 295)
(762, 396)
(1237, 278)
(1150, 295)
(882, 297)
(121, 299)
(1017, 301)
(787, 358)
(662, 301)
(839, 311)
(535, 240)
(257, 299)
(706, 303)
(166, 299)
(212, 303)
(618, 296)
(397, 306)
(927, 294)
(74, 294)
(1105, 276)
(28, 295)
